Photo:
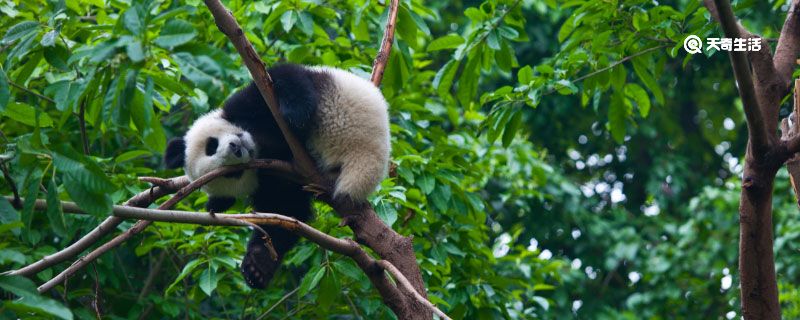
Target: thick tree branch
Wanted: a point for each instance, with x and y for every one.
(408, 288)
(759, 138)
(379, 65)
(788, 44)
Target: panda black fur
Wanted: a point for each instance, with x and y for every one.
(341, 118)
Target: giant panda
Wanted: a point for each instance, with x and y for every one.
(342, 120)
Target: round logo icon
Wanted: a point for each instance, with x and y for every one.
(692, 44)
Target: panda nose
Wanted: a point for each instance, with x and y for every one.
(236, 149)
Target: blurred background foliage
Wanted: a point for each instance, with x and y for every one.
(554, 159)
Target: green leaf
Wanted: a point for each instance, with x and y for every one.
(57, 57)
(329, 289)
(310, 280)
(54, 212)
(133, 19)
(25, 114)
(492, 40)
(287, 20)
(5, 92)
(30, 300)
(443, 80)
(174, 33)
(208, 280)
(617, 115)
(95, 203)
(135, 51)
(525, 75)
(468, 82)
(130, 155)
(640, 64)
(20, 30)
(511, 128)
(187, 269)
(49, 38)
(638, 95)
(449, 41)
(406, 28)
(306, 23)
(426, 183)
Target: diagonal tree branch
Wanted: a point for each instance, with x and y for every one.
(142, 224)
(228, 25)
(379, 65)
(143, 199)
(788, 44)
(759, 139)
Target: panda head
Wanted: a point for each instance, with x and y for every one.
(210, 143)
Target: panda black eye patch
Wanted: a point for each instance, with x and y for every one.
(211, 146)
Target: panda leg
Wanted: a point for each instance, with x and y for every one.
(219, 204)
(258, 267)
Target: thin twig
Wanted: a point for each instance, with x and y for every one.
(286, 296)
(16, 202)
(41, 96)
(82, 125)
(379, 65)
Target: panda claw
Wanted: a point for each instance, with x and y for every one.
(316, 189)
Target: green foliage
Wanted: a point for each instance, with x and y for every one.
(554, 159)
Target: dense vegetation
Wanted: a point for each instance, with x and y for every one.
(553, 159)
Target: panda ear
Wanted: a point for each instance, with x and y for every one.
(175, 155)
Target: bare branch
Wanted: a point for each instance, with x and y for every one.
(142, 224)
(788, 43)
(379, 65)
(228, 25)
(759, 139)
(108, 225)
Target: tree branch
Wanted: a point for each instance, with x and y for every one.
(409, 289)
(379, 65)
(342, 246)
(141, 225)
(788, 44)
(38, 95)
(759, 139)
(143, 199)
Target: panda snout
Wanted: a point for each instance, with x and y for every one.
(235, 149)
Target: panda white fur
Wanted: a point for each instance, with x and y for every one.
(213, 142)
(341, 118)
